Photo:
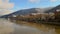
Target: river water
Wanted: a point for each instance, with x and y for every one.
(7, 27)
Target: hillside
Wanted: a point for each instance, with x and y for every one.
(53, 9)
(26, 11)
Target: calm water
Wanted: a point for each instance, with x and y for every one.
(7, 27)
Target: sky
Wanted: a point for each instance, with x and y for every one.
(24, 4)
(9, 6)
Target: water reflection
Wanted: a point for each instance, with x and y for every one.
(7, 27)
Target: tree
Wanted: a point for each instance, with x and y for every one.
(57, 16)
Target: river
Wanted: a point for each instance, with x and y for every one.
(7, 27)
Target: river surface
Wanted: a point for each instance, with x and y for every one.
(7, 27)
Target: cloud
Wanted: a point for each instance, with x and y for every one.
(6, 1)
(5, 7)
(3, 12)
(34, 1)
(5, 4)
(53, 0)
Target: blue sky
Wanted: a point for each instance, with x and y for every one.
(23, 4)
(7, 5)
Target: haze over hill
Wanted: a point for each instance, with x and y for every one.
(54, 9)
(27, 11)
(33, 10)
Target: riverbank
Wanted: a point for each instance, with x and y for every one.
(36, 21)
(45, 23)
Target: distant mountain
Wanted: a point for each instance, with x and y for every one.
(53, 9)
(32, 10)
(26, 11)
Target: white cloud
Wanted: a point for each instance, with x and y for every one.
(5, 4)
(5, 7)
(3, 12)
(34, 1)
(53, 0)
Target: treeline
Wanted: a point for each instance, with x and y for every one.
(38, 18)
